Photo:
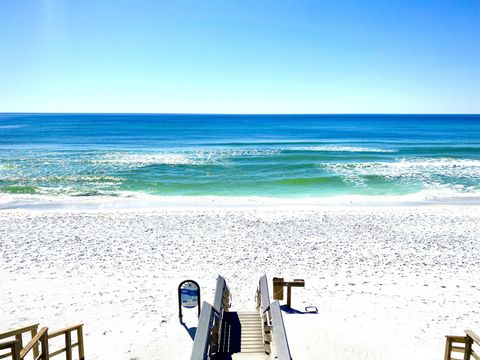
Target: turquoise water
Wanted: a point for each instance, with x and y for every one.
(234, 155)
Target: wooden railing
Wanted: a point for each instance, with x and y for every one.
(18, 334)
(16, 350)
(13, 346)
(282, 350)
(462, 345)
(207, 337)
(273, 329)
(222, 295)
(68, 349)
(201, 344)
(42, 339)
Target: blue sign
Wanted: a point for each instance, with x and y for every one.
(189, 295)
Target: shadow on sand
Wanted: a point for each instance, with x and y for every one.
(191, 331)
(308, 310)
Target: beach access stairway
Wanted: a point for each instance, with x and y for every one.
(254, 335)
(242, 333)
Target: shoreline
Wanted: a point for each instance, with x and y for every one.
(136, 201)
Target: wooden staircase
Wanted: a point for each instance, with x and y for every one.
(241, 336)
(251, 340)
(223, 334)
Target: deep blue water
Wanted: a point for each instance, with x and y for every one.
(239, 155)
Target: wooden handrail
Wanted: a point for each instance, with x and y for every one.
(222, 295)
(456, 338)
(201, 343)
(42, 337)
(282, 350)
(67, 332)
(264, 295)
(473, 336)
(17, 333)
(62, 331)
(465, 349)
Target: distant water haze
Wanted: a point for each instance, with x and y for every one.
(279, 156)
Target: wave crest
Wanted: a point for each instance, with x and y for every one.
(338, 148)
(427, 171)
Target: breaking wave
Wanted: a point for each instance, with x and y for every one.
(337, 148)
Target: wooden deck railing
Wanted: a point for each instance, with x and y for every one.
(201, 344)
(207, 338)
(463, 345)
(273, 329)
(18, 334)
(42, 339)
(16, 350)
(13, 346)
(68, 349)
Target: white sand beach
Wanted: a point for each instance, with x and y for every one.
(389, 282)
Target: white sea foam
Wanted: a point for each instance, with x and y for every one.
(421, 169)
(125, 200)
(12, 126)
(191, 157)
(337, 148)
(143, 159)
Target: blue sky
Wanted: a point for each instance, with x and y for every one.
(245, 56)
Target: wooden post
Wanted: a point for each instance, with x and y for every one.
(448, 349)
(289, 295)
(19, 339)
(81, 352)
(278, 285)
(289, 285)
(13, 346)
(44, 342)
(16, 351)
(33, 332)
(68, 345)
(468, 347)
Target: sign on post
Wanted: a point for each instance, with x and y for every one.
(188, 296)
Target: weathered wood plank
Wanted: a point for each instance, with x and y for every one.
(473, 336)
(64, 330)
(42, 337)
(280, 337)
(202, 335)
(264, 295)
(18, 331)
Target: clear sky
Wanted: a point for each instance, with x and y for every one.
(240, 56)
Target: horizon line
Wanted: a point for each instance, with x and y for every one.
(223, 114)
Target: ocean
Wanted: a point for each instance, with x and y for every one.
(272, 156)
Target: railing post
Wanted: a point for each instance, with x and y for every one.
(13, 346)
(68, 345)
(81, 354)
(448, 349)
(19, 339)
(468, 347)
(16, 351)
(33, 332)
(44, 342)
